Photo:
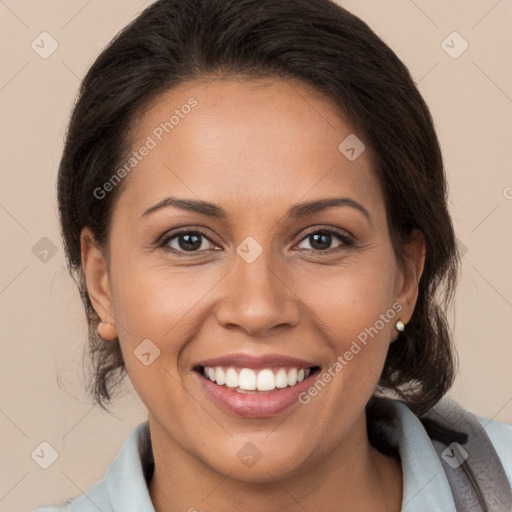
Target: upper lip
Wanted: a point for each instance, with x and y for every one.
(252, 361)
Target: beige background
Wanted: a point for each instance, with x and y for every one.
(42, 324)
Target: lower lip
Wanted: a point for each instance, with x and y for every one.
(264, 405)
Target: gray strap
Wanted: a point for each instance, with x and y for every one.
(474, 470)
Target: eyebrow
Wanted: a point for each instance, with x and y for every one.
(296, 211)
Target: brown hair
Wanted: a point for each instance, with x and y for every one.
(321, 44)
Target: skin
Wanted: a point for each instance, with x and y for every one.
(254, 148)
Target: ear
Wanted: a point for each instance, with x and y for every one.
(94, 265)
(410, 273)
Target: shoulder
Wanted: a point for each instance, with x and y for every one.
(452, 459)
(124, 485)
(500, 435)
(96, 498)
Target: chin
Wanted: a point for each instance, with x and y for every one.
(258, 462)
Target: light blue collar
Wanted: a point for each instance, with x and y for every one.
(425, 486)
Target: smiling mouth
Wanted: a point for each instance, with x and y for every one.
(256, 381)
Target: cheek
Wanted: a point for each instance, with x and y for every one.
(155, 312)
(353, 299)
(152, 299)
(164, 305)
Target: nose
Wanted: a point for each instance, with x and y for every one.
(258, 297)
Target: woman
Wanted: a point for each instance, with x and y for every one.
(253, 200)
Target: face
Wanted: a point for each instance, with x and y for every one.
(254, 287)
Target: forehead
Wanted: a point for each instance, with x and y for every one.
(245, 143)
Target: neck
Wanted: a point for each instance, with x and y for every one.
(353, 476)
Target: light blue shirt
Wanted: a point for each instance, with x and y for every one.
(425, 485)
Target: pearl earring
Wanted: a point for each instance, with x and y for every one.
(400, 326)
(106, 330)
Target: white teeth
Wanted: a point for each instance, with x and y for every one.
(220, 376)
(231, 378)
(248, 379)
(292, 377)
(266, 380)
(281, 378)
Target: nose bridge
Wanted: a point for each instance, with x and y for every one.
(253, 269)
(257, 298)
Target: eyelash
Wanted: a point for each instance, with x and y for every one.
(346, 240)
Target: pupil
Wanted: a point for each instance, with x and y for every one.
(321, 241)
(192, 241)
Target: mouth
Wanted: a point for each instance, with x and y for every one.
(255, 380)
(253, 388)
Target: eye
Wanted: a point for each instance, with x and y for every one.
(321, 239)
(196, 241)
(187, 241)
